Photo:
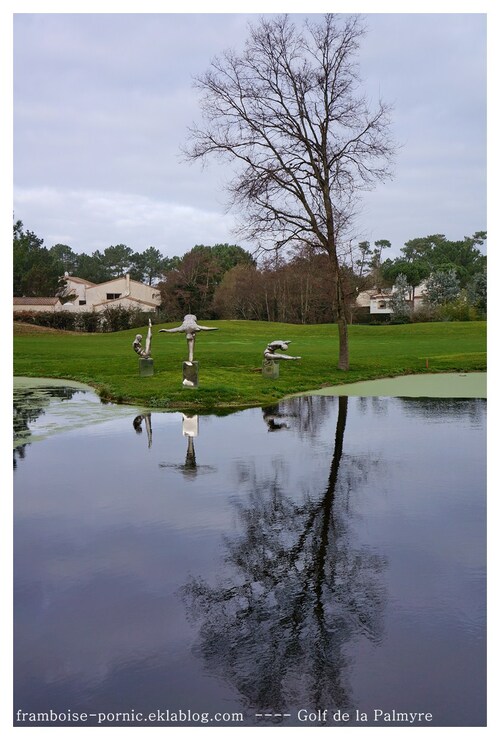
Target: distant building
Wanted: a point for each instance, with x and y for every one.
(37, 304)
(85, 295)
(379, 301)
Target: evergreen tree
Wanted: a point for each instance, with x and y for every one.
(399, 301)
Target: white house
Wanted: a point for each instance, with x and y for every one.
(119, 291)
(89, 296)
(379, 301)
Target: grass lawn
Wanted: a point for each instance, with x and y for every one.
(230, 359)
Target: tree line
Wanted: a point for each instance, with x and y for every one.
(301, 288)
(226, 281)
(38, 270)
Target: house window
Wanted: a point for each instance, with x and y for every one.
(381, 304)
(82, 303)
(111, 296)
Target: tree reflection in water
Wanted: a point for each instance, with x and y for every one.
(29, 404)
(299, 592)
(428, 408)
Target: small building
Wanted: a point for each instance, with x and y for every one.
(379, 301)
(119, 291)
(84, 295)
(36, 304)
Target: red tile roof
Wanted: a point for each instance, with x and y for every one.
(80, 280)
(35, 301)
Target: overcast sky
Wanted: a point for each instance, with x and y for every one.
(102, 103)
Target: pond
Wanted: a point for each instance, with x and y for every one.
(318, 563)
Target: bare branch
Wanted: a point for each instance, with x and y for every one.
(289, 110)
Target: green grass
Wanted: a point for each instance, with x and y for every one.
(230, 360)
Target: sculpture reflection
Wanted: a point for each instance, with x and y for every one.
(270, 415)
(137, 423)
(190, 468)
(190, 430)
(279, 628)
(304, 414)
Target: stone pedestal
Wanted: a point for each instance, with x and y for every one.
(190, 374)
(146, 366)
(270, 369)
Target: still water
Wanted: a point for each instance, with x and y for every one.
(321, 562)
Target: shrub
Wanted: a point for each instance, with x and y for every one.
(54, 320)
(425, 312)
(64, 320)
(111, 319)
(117, 318)
(458, 310)
(27, 317)
(88, 321)
(477, 293)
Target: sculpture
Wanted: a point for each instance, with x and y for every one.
(270, 351)
(145, 361)
(190, 326)
(271, 368)
(146, 351)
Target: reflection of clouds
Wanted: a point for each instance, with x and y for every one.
(430, 409)
(438, 409)
(97, 603)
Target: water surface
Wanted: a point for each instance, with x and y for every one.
(274, 566)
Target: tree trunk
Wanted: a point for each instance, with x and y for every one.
(343, 363)
(328, 527)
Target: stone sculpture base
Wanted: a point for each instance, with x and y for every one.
(190, 374)
(270, 369)
(146, 366)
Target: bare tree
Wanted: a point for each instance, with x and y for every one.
(289, 110)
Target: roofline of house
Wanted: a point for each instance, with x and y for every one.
(126, 297)
(111, 280)
(36, 300)
(79, 280)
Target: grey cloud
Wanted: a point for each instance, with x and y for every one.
(90, 219)
(103, 103)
